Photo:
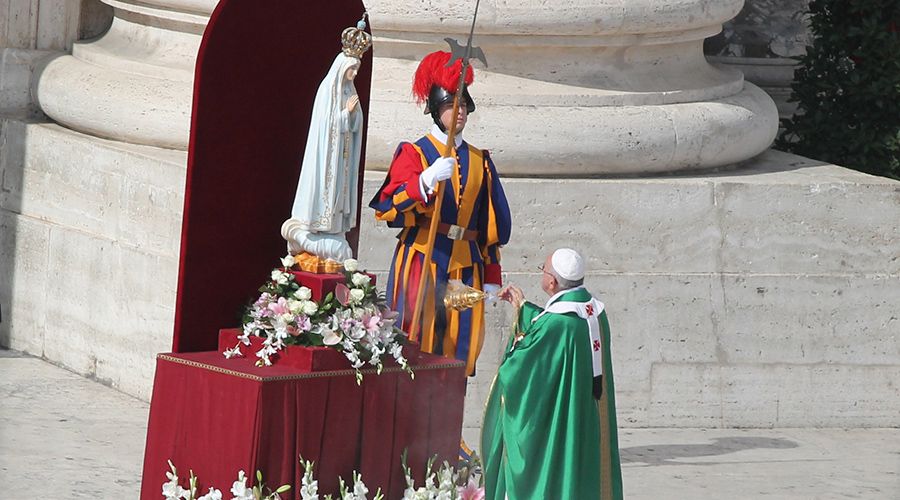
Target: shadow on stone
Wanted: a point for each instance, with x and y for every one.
(19, 70)
(666, 454)
(6, 353)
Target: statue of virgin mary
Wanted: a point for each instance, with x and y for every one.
(325, 204)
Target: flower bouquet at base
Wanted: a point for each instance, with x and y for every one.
(353, 319)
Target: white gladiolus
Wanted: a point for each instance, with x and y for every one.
(303, 293)
(309, 490)
(213, 494)
(240, 490)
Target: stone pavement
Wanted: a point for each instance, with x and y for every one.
(67, 437)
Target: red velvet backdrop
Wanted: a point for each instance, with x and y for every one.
(258, 69)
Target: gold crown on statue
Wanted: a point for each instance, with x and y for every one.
(355, 40)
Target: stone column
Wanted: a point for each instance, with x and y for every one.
(761, 42)
(30, 32)
(579, 88)
(93, 220)
(135, 82)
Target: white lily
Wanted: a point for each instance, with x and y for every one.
(331, 337)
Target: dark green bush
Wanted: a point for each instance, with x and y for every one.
(848, 87)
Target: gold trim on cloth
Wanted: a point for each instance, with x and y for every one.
(301, 376)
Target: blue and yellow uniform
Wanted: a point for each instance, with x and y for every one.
(474, 224)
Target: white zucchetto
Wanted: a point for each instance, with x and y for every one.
(568, 264)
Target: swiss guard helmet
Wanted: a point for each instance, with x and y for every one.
(435, 84)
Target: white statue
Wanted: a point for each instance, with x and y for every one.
(325, 205)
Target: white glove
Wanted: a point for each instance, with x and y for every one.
(440, 170)
(491, 290)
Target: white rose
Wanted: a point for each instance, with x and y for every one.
(351, 265)
(295, 306)
(357, 296)
(360, 279)
(279, 277)
(288, 261)
(310, 307)
(303, 293)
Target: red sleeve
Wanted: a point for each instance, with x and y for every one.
(493, 274)
(405, 169)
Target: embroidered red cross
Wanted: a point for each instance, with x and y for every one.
(596, 345)
(590, 309)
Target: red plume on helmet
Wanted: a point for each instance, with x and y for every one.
(432, 71)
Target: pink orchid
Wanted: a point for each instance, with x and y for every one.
(263, 300)
(342, 294)
(347, 325)
(372, 323)
(389, 317)
(303, 323)
(279, 307)
(471, 492)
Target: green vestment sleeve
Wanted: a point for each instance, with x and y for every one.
(541, 437)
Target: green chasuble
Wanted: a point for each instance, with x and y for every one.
(545, 435)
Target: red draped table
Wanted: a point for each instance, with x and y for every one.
(217, 416)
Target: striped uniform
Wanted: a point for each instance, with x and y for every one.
(473, 200)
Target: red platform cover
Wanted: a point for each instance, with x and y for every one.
(216, 416)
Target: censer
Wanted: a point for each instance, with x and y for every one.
(460, 296)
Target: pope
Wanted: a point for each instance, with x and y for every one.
(473, 223)
(549, 427)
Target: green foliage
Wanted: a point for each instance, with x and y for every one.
(848, 87)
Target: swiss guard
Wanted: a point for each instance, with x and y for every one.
(473, 223)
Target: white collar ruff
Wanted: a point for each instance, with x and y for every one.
(442, 137)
